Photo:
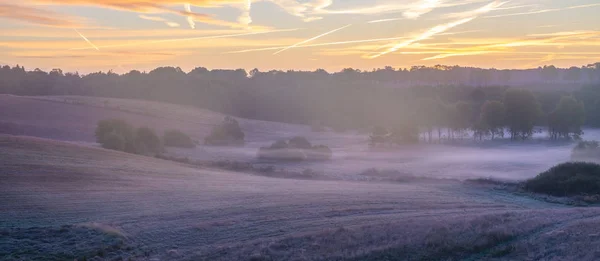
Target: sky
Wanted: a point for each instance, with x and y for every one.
(122, 35)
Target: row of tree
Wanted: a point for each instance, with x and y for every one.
(350, 99)
(516, 114)
(116, 134)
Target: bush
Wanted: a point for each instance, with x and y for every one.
(106, 133)
(297, 148)
(118, 135)
(228, 132)
(567, 179)
(112, 141)
(176, 138)
(299, 143)
(320, 152)
(146, 141)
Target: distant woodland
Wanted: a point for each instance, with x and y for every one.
(427, 98)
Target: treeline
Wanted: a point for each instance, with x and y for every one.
(117, 134)
(349, 99)
(516, 114)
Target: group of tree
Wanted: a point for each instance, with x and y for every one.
(116, 134)
(348, 99)
(227, 133)
(517, 113)
(297, 149)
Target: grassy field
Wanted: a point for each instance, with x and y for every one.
(74, 118)
(64, 200)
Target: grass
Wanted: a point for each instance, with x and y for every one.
(120, 205)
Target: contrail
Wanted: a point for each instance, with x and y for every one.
(190, 19)
(88, 41)
(316, 45)
(470, 16)
(186, 39)
(311, 39)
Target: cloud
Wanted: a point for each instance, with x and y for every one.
(37, 16)
(245, 17)
(543, 11)
(157, 6)
(318, 45)
(159, 19)
(190, 19)
(185, 39)
(312, 39)
(424, 7)
(470, 16)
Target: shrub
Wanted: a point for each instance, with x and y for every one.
(176, 138)
(320, 152)
(113, 141)
(146, 141)
(108, 129)
(228, 132)
(297, 148)
(567, 179)
(299, 143)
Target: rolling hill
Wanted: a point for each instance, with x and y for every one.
(62, 200)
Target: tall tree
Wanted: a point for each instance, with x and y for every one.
(566, 119)
(522, 111)
(493, 115)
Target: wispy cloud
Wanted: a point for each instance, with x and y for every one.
(245, 17)
(87, 40)
(318, 45)
(311, 39)
(470, 16)
(189, 18)
(37, 16)
(542, 11)
(524, 13)
(159, 19)
(187, 39)
(423, 7)
(145, 6)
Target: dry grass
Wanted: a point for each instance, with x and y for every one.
(169, 211)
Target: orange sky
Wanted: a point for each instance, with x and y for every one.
(120, 35)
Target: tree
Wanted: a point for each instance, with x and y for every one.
(493, 117)
(299, 143)
(176, 138)
(228, 132)
(111, 132)
(146, 141)
(461, 120)
(522, 110)
(567, 118)
(549, 73)
(573, 74)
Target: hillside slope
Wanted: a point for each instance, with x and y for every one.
(74, 118)
(169, 211)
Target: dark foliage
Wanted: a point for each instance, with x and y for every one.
(147, 142)
(116, 134)
(307, 97)
(176, 138)
(296, 149)
(567, 179)
(227, 133)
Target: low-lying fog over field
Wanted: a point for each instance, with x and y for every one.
(352, 157)
(64, 197)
